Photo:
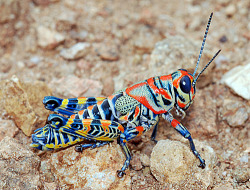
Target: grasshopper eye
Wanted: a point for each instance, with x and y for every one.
(185, 84)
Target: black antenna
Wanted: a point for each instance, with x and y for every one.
(206, 66)
(203, 43)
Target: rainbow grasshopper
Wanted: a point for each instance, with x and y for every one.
(124, 115)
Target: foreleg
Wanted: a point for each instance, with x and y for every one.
(185, 133)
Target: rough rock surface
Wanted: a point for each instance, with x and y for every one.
(93, 168)
(238, 79)
(176, 52)
(7, 129)
(122, 40)
(172, 162)
(77, 51)
(14, 93)
(234, 112)
(201, 117)
(47, 38)
(72, 86)
(19, 167)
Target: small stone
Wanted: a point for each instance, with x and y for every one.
(48, 39)
(238, 79)
(234, 112)
(93, 168)
(136, 162)
(77, 51)
(173, 162)
(241, 175)
(72, 86)
(107, 53)
(19, 167)
(230, 10)
(82, 35)
(66, 21)
(145, 160)
(7, 129)
(223, 39)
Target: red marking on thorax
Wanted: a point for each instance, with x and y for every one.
(182, 105)
(140, 129)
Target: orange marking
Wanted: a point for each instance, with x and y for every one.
(121, 128)
(100, 102)
(140, 129)
(137, 111)
(152, 85)
(166, 77)
(111, 97)
(90, 107)
(81, 112)
(174, 123)
(72, 116)
(182, 105)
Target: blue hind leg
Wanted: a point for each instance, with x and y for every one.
(81, 147)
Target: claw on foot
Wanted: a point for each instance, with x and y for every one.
(78, 148)
(120, 173)
(203, 164)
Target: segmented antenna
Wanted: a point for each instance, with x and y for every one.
(203, 43)
(206, 66)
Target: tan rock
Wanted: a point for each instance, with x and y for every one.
(23, 103)
(234, 112)
(18, 166)
(77, 51)
(7, 129)
(172, 162)
(48, 39)
(93, 168)
(238, 79)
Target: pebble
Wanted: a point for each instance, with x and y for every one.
(48, 39)
(234, 112)
(238, 79)
(77, 51)
(107, 53)
(230, 10)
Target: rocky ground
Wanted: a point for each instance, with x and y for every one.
(70, 48)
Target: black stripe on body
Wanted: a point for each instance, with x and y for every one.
(66, 138)
(152, 95)
(96, 112)
(106, 110)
